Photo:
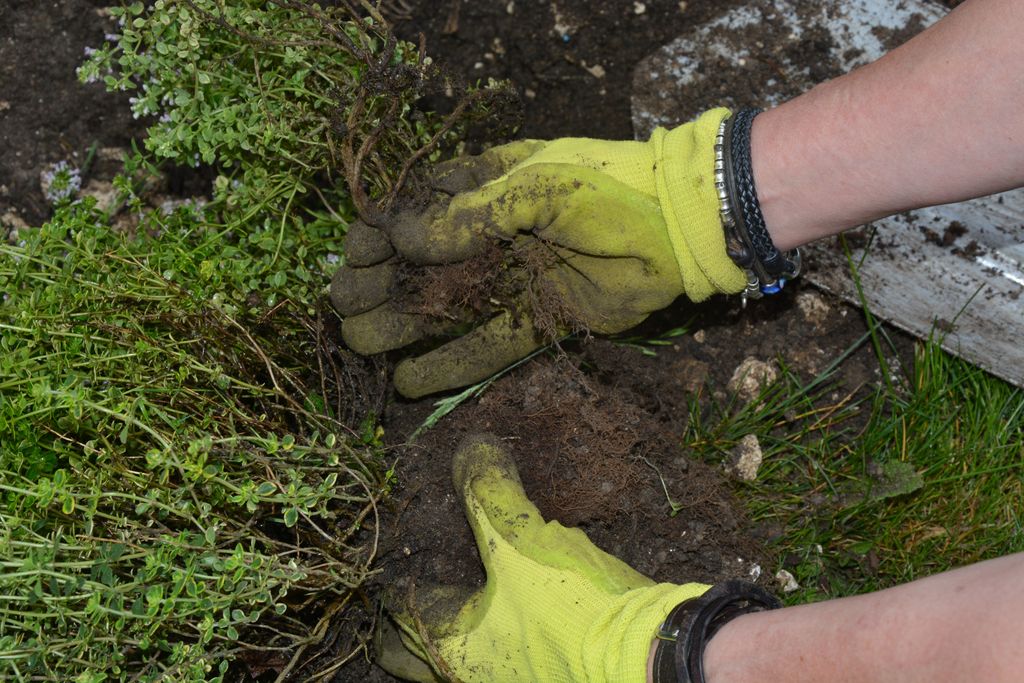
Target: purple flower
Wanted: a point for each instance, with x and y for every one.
(60, 182)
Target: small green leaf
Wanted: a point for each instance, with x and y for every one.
(154, 594)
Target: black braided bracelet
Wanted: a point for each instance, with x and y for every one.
(747, 240)
(679, 655)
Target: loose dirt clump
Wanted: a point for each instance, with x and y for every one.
(514, 278)
(451, 291)
(970, 251)
(949, 236)
(894, 38)
(595, 443)
(590, 454)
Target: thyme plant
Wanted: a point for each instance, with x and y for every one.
(189, 467)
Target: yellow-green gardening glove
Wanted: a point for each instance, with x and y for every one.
(555, 609)
(547, 238)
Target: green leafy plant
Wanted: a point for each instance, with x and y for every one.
(188, 479)
(61, 182)
(177, 489)
(304, 109)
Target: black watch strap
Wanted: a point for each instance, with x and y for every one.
(679, 656)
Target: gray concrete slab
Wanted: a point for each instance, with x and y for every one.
(955, 271)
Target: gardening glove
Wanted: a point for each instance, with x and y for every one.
(555, 609)
(547, 238)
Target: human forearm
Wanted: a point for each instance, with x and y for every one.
(959, 626)
(936, 120)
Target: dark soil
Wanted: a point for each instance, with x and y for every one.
(591, 430)
(551, 51)
(46, 115)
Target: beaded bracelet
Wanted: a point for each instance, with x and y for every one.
(747, 240)
(679, 654)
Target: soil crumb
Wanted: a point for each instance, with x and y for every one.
(971, 251)
(892, 38)
(954, 231)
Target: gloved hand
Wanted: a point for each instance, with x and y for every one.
(593, 235)
(556, 609)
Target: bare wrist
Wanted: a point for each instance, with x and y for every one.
(778, 190)
(809, 184)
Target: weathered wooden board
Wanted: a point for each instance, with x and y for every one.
(955, 271)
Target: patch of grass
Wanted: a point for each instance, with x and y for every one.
(647, 345)
(872, 489)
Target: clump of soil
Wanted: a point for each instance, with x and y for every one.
(590, 455)
(894, 38)
(500, 277)
(953, 232)
(969, 252)
(949, 236)
(451, 291)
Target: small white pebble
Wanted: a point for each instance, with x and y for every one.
(529, 93)
(787, 582)
(750, 377)
(747, 457)
(639, 7)
(813, 306)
